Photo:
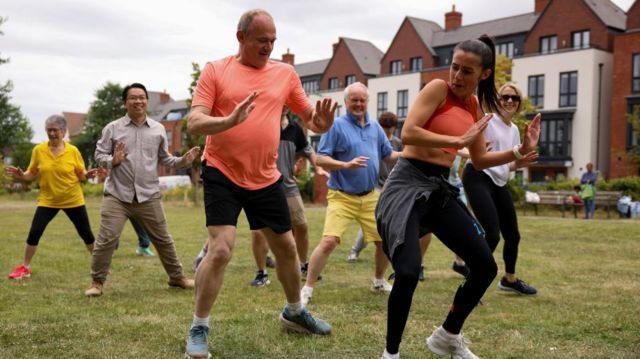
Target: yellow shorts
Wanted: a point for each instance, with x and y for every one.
(296, 210)
(343, 208)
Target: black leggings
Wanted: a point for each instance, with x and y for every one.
(44, 215)
(451, 222)
(493, 207)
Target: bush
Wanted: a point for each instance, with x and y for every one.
(630, 186)
(92, 189)
(305, 185)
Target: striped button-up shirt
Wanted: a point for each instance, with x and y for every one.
(146, 147)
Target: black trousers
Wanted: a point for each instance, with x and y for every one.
(44, 215)
(493, 207)
(451, 222)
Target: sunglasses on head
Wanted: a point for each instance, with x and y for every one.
(514, 98)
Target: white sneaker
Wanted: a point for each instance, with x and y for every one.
(305, 295)
(442, 343)
(352, 257)
(381, 286)
(386, 355)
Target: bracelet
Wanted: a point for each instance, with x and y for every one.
(516, 152)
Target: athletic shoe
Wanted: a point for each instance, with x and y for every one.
(461, 269)
(392, 276)
(182, 282)
(304, 268)
(381, 286)
(386, 355)
(305, 295)
(197, 261)
(270, 262)
(352, 257)
(144, 251)
(304, 322)
(442, 343)
(20, 272)
(94, 291)
(519, 286)
(197, 342)
(262, 279)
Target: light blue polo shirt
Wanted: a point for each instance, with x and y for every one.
(347, 140)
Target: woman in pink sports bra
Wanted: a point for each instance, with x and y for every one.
(445, 117)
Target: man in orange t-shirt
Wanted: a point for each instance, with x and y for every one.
(237, 104)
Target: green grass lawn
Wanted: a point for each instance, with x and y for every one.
(587, 274)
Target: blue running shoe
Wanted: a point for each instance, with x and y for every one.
(197, 346)
(304, 322)
(144, 252)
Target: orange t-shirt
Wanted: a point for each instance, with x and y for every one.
(454, 118)
(246, 153)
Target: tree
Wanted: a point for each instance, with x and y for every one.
(189, 139)
(105, 108)
(15, 130)
(503, 76)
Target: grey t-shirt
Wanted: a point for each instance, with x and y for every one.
(385, 169)
(293, 143)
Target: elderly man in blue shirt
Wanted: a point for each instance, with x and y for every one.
(351, 151)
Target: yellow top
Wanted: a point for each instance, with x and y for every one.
(59, 176)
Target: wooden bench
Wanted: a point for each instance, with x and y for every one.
(562, 199)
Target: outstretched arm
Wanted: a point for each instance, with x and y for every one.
(331, 164)
(200, 121)
(320, 119)
(17, 173)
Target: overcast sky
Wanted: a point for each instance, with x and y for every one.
(61, 52)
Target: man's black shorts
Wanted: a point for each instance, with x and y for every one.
(223, 200)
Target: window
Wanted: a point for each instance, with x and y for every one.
(333, 83)
(635, 73)
(548, 44)
(416, 64)
(395, 67)
(382, 103)
(633, 136)
(505, 48)
(580, 39)
(403, 103)
(568, 89)
(310, 86)
(555, 136)
(349, 79)
(536, 90)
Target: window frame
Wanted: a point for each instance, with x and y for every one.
(402, 107)
(537, 98)
(569, 94)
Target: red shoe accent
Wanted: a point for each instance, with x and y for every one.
(20, 272)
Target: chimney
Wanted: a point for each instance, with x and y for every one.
(452, 20)
(540, 5)
(164, 97)
(335, 47)
(288, 58)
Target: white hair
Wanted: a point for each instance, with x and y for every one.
(348, 89)
(56, 120)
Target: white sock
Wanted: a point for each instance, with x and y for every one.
(378, 281)
(386, 355)
(459, 262)
(200, 321)
(294, 308)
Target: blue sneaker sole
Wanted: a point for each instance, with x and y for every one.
(208, 356)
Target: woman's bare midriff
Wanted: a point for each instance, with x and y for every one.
(434, 156)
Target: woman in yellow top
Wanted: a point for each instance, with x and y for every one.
(60, 168)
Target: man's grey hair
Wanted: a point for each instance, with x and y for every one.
(56, 120)
(348, 89)
(247, 18)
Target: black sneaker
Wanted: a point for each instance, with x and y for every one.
(392, 276)
(304, 268)
(519, 286)
(261, 280)
(270, 262)
(461, 269)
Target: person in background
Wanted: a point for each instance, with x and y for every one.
(588, 191)
(489, 195)
(59, 168)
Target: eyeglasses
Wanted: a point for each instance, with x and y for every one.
(139, 98)
(514, 98)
